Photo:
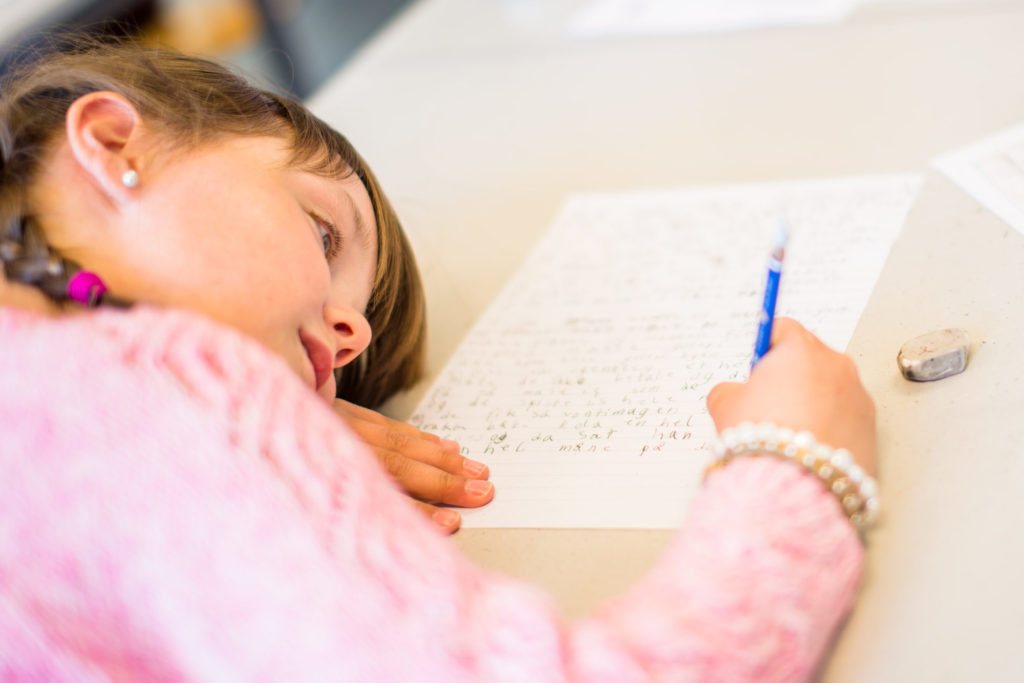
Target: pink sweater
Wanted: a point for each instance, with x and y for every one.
(177, 506)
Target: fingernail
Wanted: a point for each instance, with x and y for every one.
(478, 487)
(450, 445)
(473, 468)
(446, 518)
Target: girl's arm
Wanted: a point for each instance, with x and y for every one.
(222, 524)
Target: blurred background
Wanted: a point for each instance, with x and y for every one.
(288, 45)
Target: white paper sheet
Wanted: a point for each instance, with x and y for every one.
(651, 17)
(583, 384)
(992, 171)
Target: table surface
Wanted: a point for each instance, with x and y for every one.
(481, 117)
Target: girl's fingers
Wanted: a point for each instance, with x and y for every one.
(446, 520)
(352, 413)
(428, 483)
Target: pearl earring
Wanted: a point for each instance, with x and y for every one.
(130, 178)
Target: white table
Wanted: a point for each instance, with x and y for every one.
(480, 117)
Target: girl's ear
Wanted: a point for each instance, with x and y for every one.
(103, 130)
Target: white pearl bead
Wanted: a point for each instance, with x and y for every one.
(764, 431)
(808, 460)
(868, 487)
(822, 452)
(791, 451)
(871, 508)
(785, 434)
(803, 439)
(841, 459)
(855, 473)
(130, 178)
(745, 432)
(825, 472)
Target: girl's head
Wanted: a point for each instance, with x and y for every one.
(244, 207)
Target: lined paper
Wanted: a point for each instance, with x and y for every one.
(583, 384)
(992, 171)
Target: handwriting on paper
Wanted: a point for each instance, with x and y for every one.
(583, 385)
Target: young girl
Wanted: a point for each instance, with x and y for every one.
(178, 184)
(181, 504)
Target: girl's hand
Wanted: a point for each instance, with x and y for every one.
(428, 468)
(802, 384)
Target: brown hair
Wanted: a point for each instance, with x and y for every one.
(195, 101)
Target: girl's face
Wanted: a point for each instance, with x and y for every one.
(284, 255)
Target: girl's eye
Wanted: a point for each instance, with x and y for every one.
(329, 237)
(326, 239)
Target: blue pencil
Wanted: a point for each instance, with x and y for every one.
(771, 293)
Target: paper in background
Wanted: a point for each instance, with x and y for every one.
(992, 171)
(652, 17)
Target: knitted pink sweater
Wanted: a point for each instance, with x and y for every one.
(176, 505)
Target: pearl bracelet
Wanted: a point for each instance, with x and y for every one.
(856, 491)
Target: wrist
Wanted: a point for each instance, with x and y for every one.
(854, 490)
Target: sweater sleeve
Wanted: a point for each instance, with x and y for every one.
(181, 507)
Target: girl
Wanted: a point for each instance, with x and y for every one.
(175, 181)
(180, 504)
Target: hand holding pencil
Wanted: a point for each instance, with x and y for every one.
(800, 382)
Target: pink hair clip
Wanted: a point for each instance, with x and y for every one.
(86, 287)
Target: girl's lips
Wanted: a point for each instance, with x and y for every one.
(321, 358)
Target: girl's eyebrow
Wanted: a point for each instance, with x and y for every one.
(363, 235)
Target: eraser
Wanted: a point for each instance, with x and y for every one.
(934, 355)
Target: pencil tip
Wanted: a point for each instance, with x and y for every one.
(781, 234)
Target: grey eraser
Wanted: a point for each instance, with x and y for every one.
(934, 355)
